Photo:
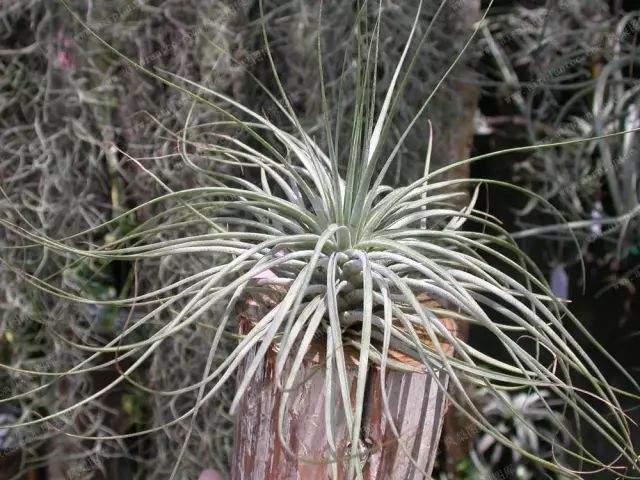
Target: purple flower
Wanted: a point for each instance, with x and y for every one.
(559, 282)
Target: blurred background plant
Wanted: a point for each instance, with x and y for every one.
(64, 103)
(567, 70)
(489, 456)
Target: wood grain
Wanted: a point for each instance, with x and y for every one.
(416, 404)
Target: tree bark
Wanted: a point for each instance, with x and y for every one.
(416, 404)
(454, 133)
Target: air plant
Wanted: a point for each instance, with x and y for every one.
(355, 256)
(568, 82)
(532, 409)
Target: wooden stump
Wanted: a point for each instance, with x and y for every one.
(416, 405)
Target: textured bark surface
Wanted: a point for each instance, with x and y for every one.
(415, 401)
(416, 405)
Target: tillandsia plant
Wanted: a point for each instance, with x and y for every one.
(355, 258)
(488, 454)
(566, 82)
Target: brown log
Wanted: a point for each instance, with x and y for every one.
(455, 130)
(415, 401)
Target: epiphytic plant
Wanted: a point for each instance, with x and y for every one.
(354, 256)
(566, 82)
